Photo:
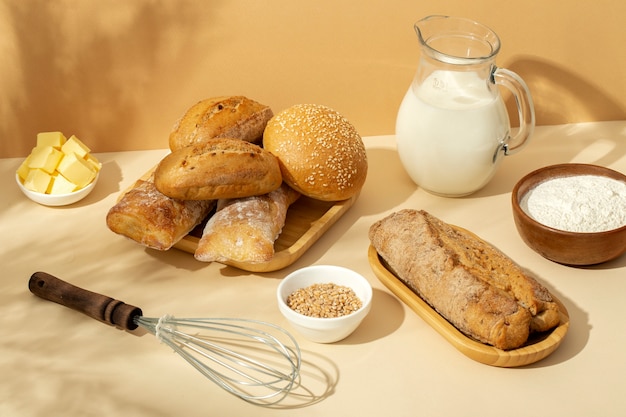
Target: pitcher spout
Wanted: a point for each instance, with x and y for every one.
(456, 41)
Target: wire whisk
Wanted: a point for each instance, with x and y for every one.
(254, 360)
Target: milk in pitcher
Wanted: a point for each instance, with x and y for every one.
(449, 131)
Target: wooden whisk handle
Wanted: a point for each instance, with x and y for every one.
(94, 305)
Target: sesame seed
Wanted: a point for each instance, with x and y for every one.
(338, 148)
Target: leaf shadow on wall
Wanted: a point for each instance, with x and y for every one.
(96, 71)
(560, 96)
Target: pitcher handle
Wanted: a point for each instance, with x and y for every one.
(525, 108)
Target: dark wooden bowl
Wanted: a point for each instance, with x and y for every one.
(568, 248)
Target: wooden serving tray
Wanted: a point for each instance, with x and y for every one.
(307, 220)
(537, 348)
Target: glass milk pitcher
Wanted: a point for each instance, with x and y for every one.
(452, 127)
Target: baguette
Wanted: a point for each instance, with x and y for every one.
(477, 288)
(245, 229)
(154, 220)
(218, 169)
(220, 117)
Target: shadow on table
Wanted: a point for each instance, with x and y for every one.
(387, 185)
(385, 317)
(577, 335)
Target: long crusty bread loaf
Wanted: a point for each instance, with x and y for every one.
(477, 288)
(154, 220)
(220, 117)
(245, 229)
(218, 169)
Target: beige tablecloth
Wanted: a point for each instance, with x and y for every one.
(54, 361)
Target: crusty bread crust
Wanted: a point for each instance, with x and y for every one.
(245, 229)
(221, 117)
(320, 152)
(154, 220)
(218, 169)
(473, 285)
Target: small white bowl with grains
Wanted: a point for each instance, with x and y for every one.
(324, 303)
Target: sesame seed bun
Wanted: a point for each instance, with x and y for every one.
(320, 153)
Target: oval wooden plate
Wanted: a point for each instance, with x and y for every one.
(536, 349)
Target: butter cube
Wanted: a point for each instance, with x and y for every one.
(38, 180)
(60, 185)
(46, 158)
(93, 161)
(54, 139)
(24, 169)
(74, 145)
(76, 169)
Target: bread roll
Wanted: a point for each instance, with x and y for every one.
(217, 169)
(154, 220)
(321, 154)
(473, 285)
(220, 117)
(245, 229)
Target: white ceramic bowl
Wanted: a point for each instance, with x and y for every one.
(325, 330)
(57, 199)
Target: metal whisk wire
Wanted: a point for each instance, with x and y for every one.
(254, 360)
(246, 376)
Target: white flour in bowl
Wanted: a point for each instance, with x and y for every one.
(581, 203)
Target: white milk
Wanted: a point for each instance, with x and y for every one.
(448, 131)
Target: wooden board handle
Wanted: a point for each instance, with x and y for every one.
(94, 305)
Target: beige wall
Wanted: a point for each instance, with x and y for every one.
(118, 73)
